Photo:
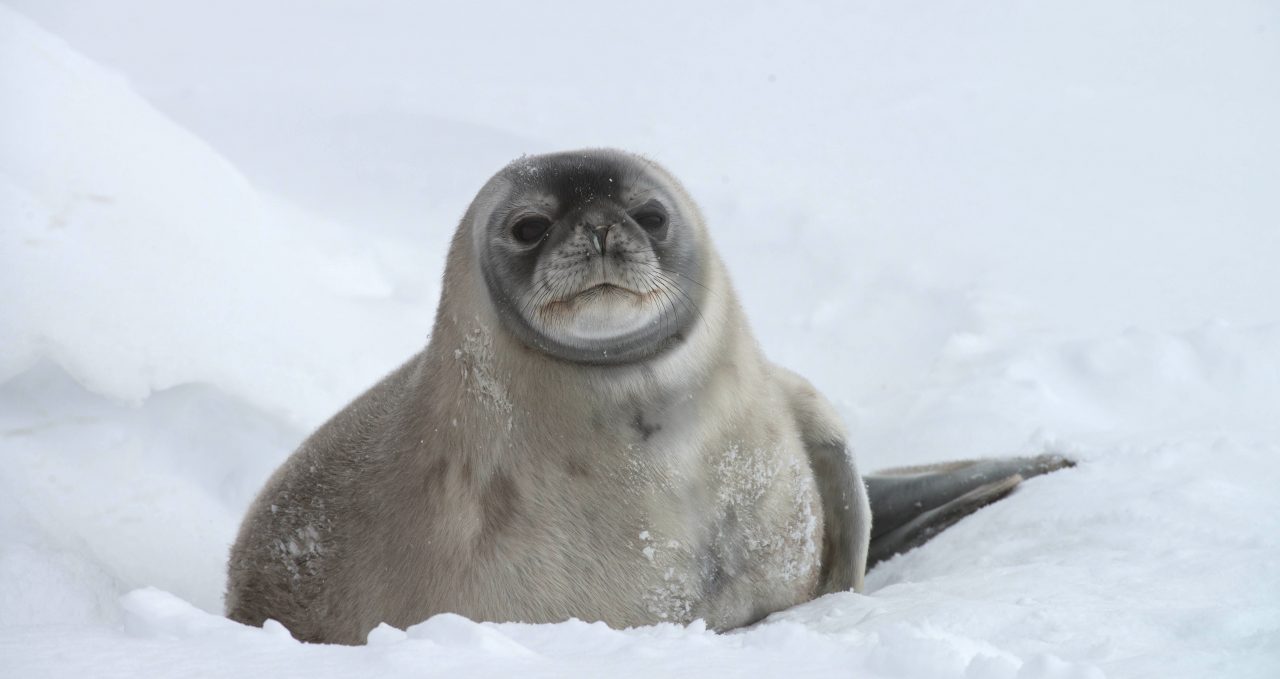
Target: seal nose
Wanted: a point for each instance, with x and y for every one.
(599, 234)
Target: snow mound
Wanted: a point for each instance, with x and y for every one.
(127, 240)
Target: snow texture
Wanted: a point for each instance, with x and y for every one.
(981, 229)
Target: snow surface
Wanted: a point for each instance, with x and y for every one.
(980, 229)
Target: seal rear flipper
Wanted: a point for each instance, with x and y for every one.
(910, 505)
(924, 526)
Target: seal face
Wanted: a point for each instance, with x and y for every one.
(590, 257)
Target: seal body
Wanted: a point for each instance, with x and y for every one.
(592, 432)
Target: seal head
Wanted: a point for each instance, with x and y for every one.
(590, 257)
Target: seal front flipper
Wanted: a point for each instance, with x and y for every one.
(845, 509)
(910, 505)
(845, 516)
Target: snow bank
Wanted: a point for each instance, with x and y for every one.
(127, 240)
(169, 331)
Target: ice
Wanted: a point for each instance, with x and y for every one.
(980, 230)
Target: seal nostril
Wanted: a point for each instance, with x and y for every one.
(599, 235)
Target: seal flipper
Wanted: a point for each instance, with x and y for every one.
(846, 513)
(922, 526)
(910, 505)
(845, 516)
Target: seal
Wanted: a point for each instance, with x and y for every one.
(591, 432)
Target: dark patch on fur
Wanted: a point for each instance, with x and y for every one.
(435, 475)
(714, 577)
(577, 468)
(501, 498)
(598, 423)
(720, 560)
(645, 429)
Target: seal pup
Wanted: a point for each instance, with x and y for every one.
(591, 432)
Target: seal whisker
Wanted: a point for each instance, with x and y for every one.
(686, 277)
(663, 280)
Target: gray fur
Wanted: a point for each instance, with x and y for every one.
(513, 471)
(591, 432)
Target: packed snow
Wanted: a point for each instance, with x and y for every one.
(980, 229)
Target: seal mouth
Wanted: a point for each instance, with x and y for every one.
(600, 309)
(598, 290)
(606, 289)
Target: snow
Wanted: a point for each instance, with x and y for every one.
(988, 229)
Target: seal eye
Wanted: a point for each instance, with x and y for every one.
(531, 229)
(652, 220)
